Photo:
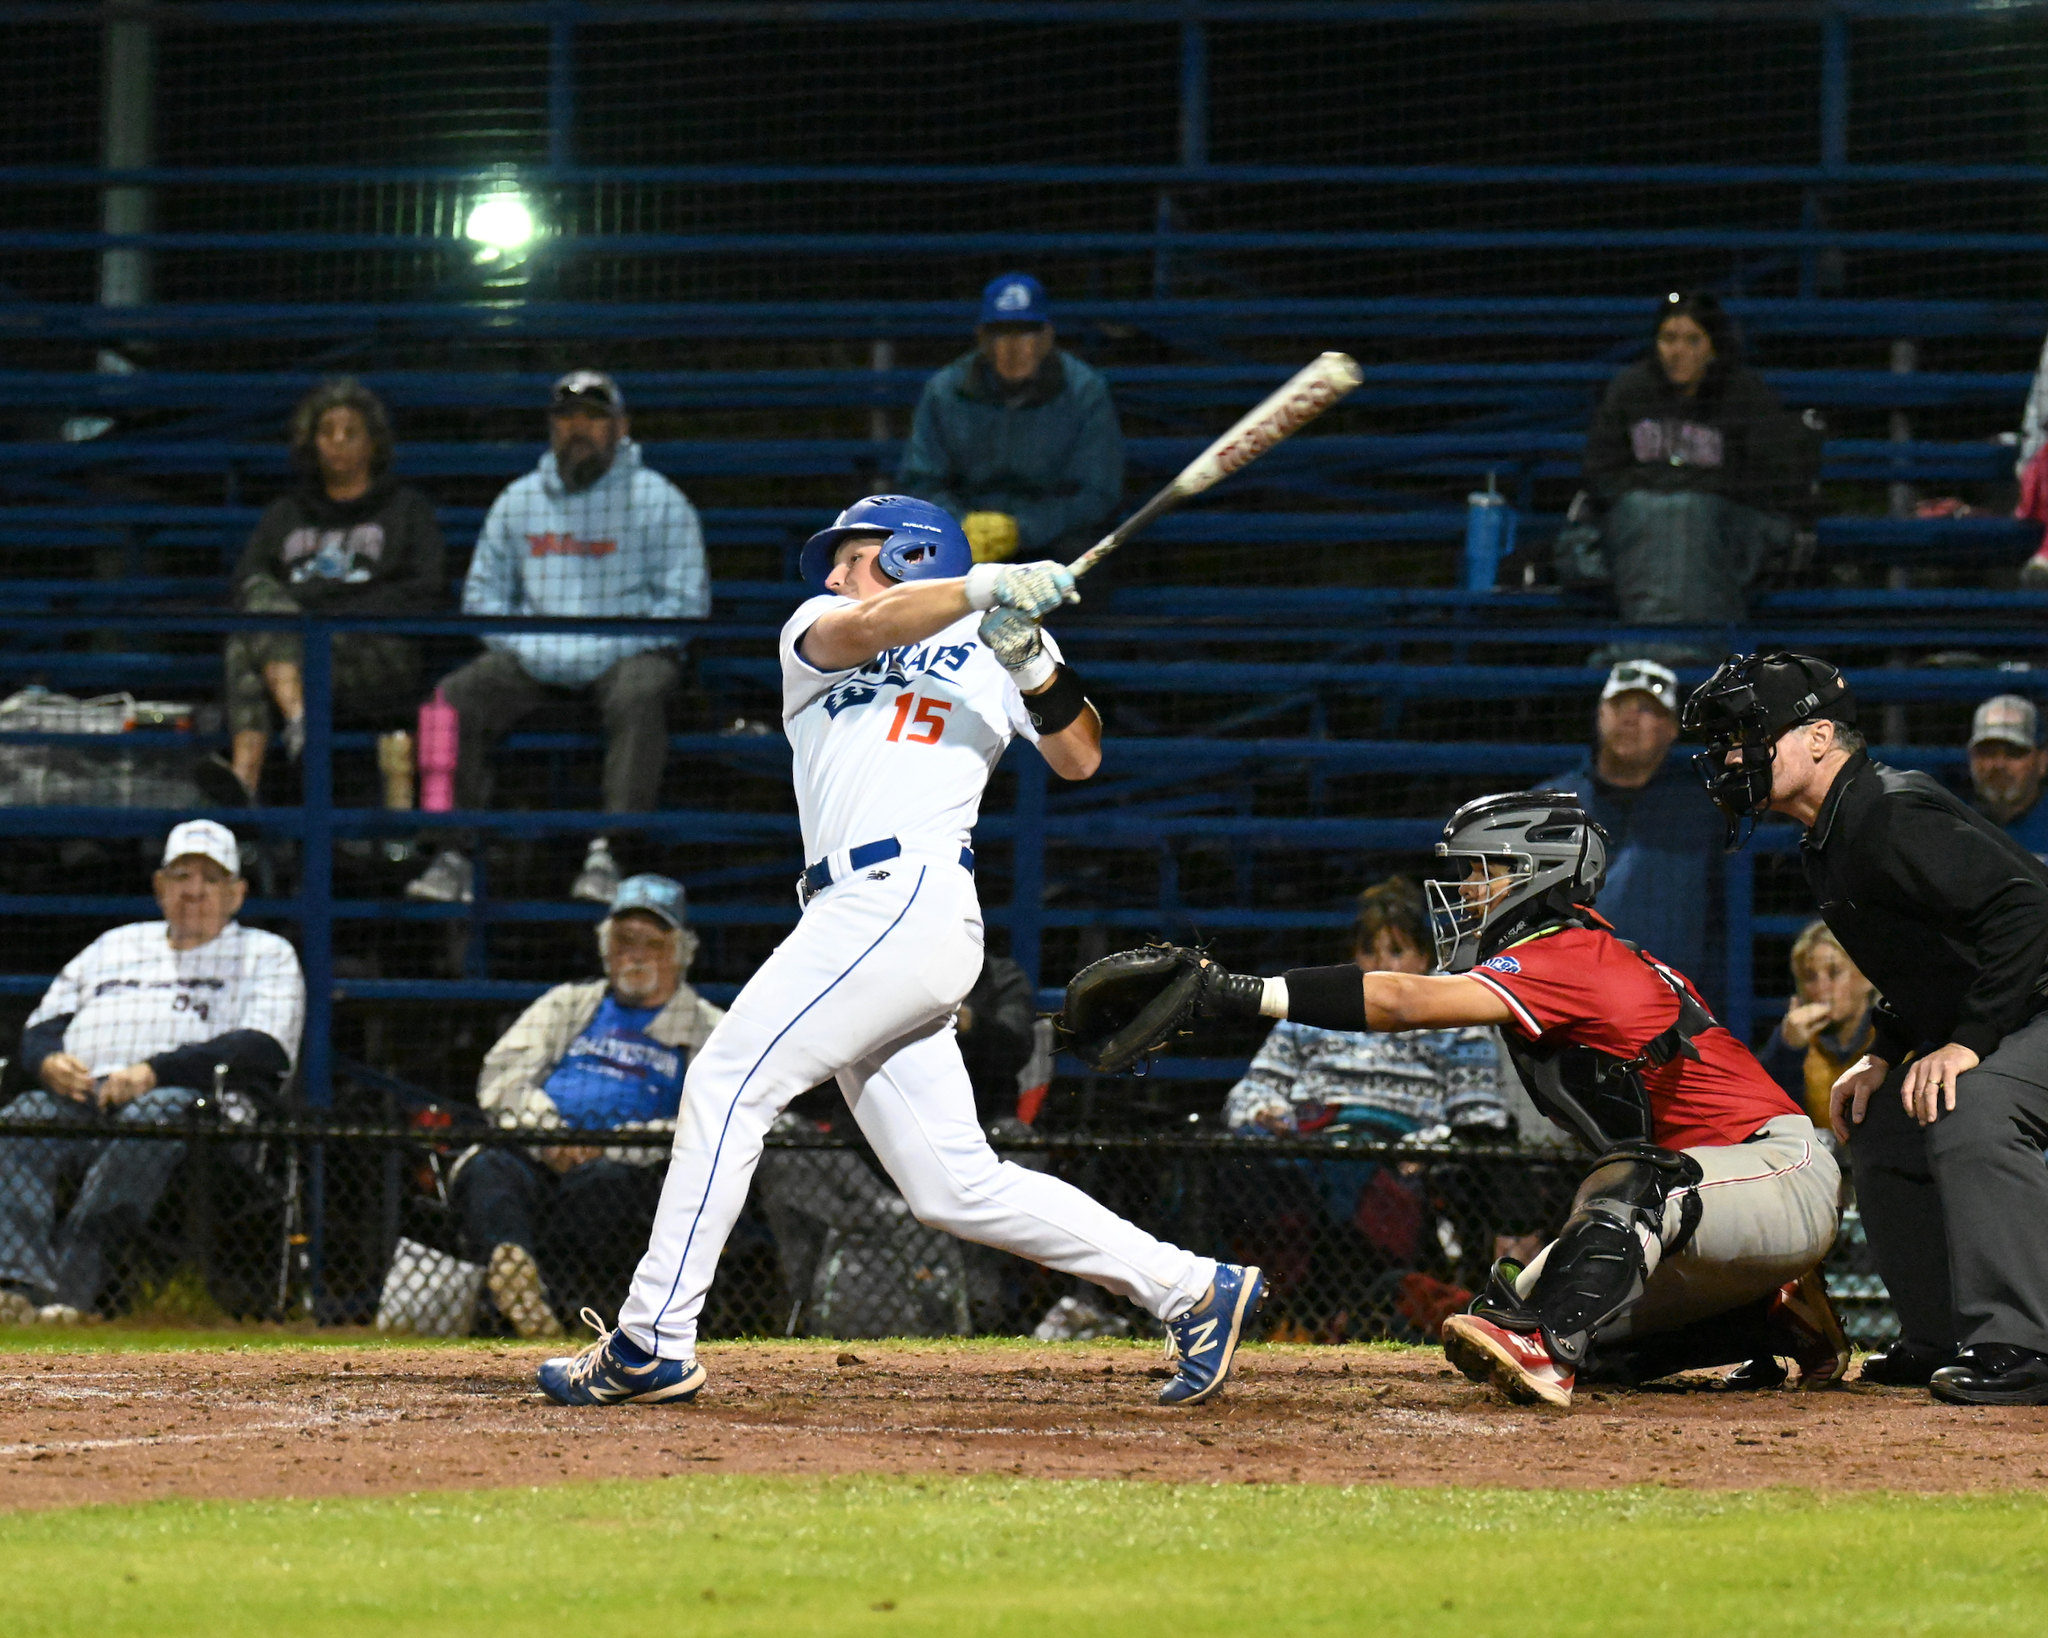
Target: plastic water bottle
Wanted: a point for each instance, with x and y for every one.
(439, 740)
(1489, 536)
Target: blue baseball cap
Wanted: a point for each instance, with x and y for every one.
(1014, 298)
(657, 895)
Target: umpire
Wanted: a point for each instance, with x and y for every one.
(1948, 916)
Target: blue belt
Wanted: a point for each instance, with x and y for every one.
(817, 877)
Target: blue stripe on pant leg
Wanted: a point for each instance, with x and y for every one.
(726, 1125)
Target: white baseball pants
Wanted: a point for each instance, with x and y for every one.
(864, 991)
(1768, 1213)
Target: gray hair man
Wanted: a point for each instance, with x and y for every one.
(604, 1054)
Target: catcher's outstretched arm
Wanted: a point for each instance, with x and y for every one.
(1344, 998)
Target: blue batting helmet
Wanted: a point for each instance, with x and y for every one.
(924, 542)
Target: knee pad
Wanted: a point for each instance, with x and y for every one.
(1599, 1264)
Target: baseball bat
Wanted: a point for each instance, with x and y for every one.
(1311, 391)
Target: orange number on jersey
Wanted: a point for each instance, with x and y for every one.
(930, 718)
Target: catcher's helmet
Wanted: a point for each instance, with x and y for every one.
(1742, 709)
(1555, 857)
(924, 542)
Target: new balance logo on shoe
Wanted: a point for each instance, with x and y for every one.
(1202, 1339)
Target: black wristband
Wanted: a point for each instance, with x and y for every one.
(1327, 997)
(1059, 704)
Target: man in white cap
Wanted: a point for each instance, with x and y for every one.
(1664, 854)
(133, 1030)
(2007, 763)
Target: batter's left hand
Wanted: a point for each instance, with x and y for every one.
(1931, 1081)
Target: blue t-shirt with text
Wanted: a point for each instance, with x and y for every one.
(615, 1072)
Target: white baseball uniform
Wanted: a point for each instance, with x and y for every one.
(865, 989)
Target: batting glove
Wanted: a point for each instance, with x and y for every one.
(1032, 589)
(1020, 645)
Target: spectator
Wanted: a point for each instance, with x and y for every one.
(1307, 1080)
(996, 1027)
(2007, 763)
(1341, 1238)
(1827, 1027)
(132, 1030)
(1686, 456)
(350, 540)
(591, 534)
(1017, 439)
(603, 1054)
(1664, 854)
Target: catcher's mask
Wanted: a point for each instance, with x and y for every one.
(1510, 864)
(1742, 710)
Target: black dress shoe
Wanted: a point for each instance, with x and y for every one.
(1905, 1365)
(1994, 1373)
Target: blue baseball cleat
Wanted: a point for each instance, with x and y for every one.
(1203, 1341)
(613, 1371)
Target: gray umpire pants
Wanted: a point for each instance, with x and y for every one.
(1957, 1212)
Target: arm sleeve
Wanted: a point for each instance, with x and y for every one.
(273, 1000)
(421, 584)
(256, 1062)
(1890, 1037)
(927, 470)
(1608, 456)
(1268, 1084)
(39, 1040)
(1087, 492)
(493, 578)
(684, 588)
(66, 993)
(1942, 863)
(259, 552)
(520, 1059)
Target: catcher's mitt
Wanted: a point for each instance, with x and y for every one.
(1130, 1004)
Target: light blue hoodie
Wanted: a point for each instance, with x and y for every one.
(629, 545)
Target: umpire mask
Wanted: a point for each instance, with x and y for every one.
(1741, 710)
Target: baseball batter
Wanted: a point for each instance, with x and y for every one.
(1697, 1237)
(897, 705)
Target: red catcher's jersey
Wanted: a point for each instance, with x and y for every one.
(1581, 984)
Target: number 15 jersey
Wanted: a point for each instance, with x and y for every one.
(901, 746)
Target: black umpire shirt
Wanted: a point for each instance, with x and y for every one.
(1945, 913)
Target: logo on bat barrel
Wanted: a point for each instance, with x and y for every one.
(1295, 410)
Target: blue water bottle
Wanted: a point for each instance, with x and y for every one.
(1489, 536)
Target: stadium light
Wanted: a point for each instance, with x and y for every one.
(501, 224)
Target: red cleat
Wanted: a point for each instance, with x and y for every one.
(1514, 1362)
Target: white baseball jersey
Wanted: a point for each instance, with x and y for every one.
(902, 746)
(132, 996)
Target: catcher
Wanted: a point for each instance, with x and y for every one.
(1697, 1237)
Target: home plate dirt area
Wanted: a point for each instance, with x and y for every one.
(319, 1421)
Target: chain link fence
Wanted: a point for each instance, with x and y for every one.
(439, 1225)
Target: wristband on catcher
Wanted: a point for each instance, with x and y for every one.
(1326, 997)
(1059, 705)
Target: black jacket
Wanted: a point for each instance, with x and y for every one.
(1732, 438)
(1945, 913)
(379, 554)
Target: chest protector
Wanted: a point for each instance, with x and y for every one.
(1598, 1096)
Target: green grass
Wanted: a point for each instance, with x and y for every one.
(711, 1555)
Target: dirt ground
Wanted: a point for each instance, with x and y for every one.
(107, 1427)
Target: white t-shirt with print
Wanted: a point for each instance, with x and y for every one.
(902, 746)
(132, 996)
